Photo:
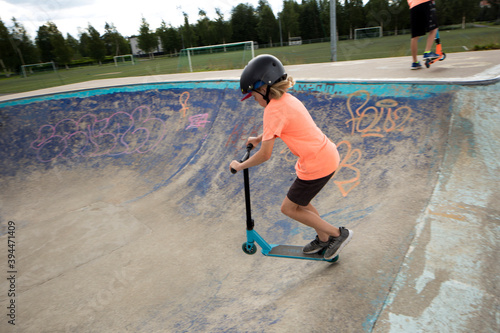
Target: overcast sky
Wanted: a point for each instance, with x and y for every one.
(72, 16)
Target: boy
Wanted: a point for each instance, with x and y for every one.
(422, 20)
(285, 117)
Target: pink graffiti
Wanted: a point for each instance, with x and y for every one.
(121, 133)
(198, 121)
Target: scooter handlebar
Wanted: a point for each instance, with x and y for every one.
(245, 157)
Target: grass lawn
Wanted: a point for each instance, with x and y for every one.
(392, 46)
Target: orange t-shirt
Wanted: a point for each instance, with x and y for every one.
(413, 3)
(288, 119)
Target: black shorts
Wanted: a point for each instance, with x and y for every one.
(303, 191)
(423, 19)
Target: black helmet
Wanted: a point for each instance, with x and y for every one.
(263, 69)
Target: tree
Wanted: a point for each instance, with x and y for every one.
(204, 30)
(95, 47)
(7, 53)
(310, 24)
(377, 13)
(324, 16)
(52, 45)
(147, 39)
(244, 22)
(188, 34)
(290, 19)
(83, 46)
(62, 53)
(468, 10)
(267, 27)
(489, 11)
(354, 14)
(22, 44)
(43, 43)
(169, 37)
(222, 28)
(401, 13)
(73, 44)
(456, 11)
(115, 43)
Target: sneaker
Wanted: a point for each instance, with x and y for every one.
(430, 55)
(315, 246)
(416, 65)
(336, 244)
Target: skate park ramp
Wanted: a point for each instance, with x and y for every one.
(119, 207)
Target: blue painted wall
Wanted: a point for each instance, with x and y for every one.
(385, 133)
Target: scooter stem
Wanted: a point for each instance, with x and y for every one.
(250, 222)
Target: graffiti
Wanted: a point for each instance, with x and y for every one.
(369, 121)
(376, 120)
(317, 87)
(352, 156)
(240, 133)
(183, 98)
(198, 121)
(89, 136)
(346, 168)
(121, 133)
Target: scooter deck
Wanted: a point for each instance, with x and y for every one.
(295, 252)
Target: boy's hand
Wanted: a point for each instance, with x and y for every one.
(254, 140)
(234, 165)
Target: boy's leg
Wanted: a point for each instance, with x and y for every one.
(329, 237)
(428, 54)
(430, 40)
(432, 27)
(417, 30)
(309, 216)
(414, 48)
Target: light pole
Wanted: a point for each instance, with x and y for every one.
(333, 30)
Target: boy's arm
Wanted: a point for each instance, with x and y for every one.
(255, 140)
(261, 156)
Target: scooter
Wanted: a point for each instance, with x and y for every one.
(439, 51)
(271, 250)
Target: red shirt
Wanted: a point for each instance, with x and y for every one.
(413, 3)
(288, 119)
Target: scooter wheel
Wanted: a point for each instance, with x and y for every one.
(442, 57)
(249, 248)
(335, 259)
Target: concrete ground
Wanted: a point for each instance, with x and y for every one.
(119, 212)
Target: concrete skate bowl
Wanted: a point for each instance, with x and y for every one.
(127, 218)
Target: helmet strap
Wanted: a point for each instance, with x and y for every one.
(266, 96)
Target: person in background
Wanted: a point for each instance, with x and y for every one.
(423, 19)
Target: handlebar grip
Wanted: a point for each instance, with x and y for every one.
(245, 157)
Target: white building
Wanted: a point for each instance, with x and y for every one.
(136, 51)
